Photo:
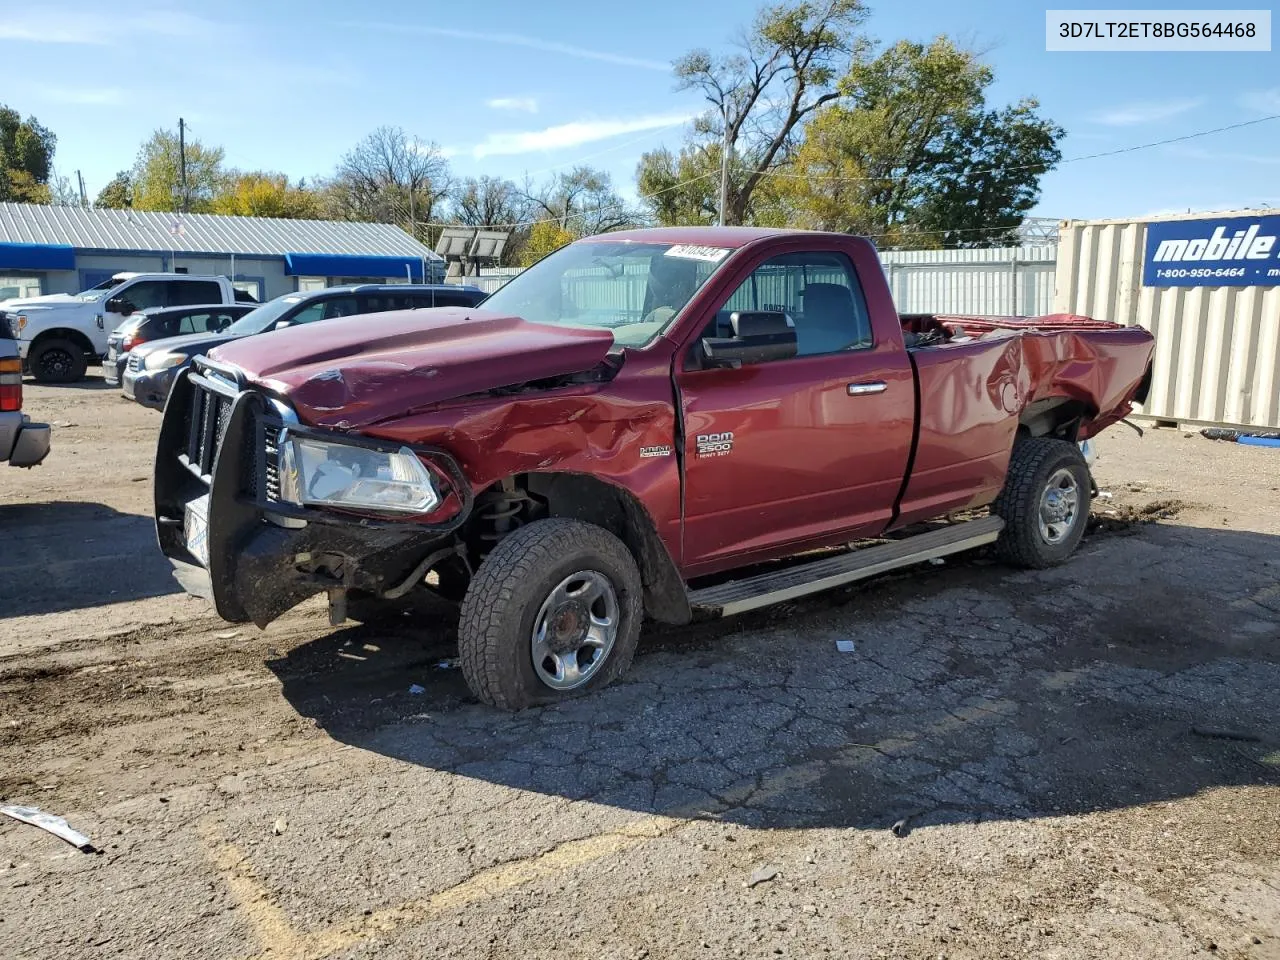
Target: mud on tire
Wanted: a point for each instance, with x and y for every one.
(1039, 530)
(508, 593)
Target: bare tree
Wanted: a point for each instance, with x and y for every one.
(488, 202)
(582, 201)
(789, 65)
(391, 177)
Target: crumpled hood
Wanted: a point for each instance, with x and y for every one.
(361, 370)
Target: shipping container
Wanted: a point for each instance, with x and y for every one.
(1217, 356)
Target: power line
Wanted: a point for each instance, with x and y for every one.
(1030, 166)
(778, 173)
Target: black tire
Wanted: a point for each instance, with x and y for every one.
(1034, 463)
(56, 360)
(495, 630)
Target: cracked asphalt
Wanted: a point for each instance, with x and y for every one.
(1072, 763)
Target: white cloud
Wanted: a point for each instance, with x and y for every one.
(1263, 101)
(571, 134)
(81, 96)
(50, 25)
(520, 40)
(523, 104)
(1145, 111)
(1224, 156)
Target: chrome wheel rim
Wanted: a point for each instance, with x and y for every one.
(574, 630)
(1059, 506)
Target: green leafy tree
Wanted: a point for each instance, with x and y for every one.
(911, 153)
(26, 158)
(544, 238)
(118, 194)
(157, 177)
(259, 194)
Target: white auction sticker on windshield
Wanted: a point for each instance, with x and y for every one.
(688, 251)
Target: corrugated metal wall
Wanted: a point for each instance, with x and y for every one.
(1001, 281)
(1217, 357)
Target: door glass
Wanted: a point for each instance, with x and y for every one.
(145, 294)
(194, 323)
(818, 291)
(308, 314)
(340, 307)
(183, 293)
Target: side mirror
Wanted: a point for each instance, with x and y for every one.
(281, 325)
(758, 336)
(120, 305)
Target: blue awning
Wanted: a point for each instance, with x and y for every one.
(350, 265)
(38, 256)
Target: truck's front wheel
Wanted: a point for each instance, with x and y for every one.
(553, 612)
(55, 360)
(1044, 503)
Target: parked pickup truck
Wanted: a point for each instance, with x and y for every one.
(22, 443)
(643, 423)
(60, 334)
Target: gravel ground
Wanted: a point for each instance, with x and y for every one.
(1082, 762)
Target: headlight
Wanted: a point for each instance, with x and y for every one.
(163, 361)
(334, 474)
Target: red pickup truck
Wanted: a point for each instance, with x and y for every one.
(643, 423)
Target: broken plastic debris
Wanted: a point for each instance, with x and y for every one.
(844, 646)
(416, 689)
(48, 822)
(1105, 495)
(937, 561)
(762, 875)
(447, 665)
(280, 826)
(228, 635)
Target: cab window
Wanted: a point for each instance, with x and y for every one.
(818, 291)
(325, 310)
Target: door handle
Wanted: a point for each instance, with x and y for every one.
(867, 387)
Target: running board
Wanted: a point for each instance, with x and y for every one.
(738, 596)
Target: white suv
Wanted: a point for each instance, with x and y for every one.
(60, 334)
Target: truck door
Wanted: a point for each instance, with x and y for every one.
(803, 452)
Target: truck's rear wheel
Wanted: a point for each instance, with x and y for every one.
(1044, 503)
(553, 612)
(56, 360)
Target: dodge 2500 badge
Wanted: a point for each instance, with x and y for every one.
(630, 428)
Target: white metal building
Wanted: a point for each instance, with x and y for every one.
(45, 249)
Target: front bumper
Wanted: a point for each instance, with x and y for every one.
(113, 370)
(257, 556)
(23, 443)
(148, 387)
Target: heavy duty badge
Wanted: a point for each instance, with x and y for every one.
(715, 444)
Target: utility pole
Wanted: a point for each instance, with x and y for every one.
(84, 199)
(182, 161)
(413, 216)
(725, 150)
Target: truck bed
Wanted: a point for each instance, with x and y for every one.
(976, 376)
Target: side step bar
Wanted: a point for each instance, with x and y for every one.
(738, 596)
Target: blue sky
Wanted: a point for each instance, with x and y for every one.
(511, 88)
